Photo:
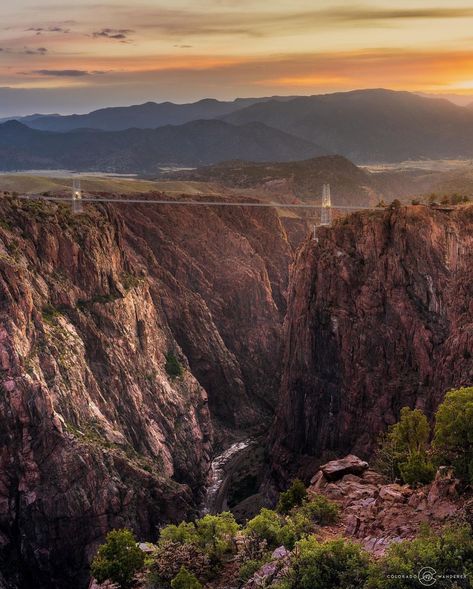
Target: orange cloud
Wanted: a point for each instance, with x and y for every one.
(138, 78)
(409, 70)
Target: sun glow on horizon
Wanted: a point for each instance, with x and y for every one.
(111, 52)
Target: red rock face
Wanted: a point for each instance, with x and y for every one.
(94, 434)
(380, 317)
(221, 277)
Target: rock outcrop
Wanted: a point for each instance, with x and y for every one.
(94, 431)
(380, 317)
(336, 469)
(378, 513)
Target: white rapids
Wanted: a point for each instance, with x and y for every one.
(218, 472)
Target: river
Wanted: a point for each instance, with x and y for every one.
(220, 473)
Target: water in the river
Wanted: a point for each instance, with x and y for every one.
(219, 473)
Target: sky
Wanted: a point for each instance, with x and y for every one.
(79, 55)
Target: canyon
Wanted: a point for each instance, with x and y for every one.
(332, 336)
(95, 431)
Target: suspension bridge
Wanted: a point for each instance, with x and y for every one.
(78, 200)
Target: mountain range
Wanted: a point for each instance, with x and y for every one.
(371, 125)
(366, 126)
(142, 116)
(145, 150)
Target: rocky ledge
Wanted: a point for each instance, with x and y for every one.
(377, 512)
(373, 512)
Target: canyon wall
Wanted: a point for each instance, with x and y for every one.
(221, 275)
(94, 432)
(380, 316)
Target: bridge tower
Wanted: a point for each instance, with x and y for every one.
(326, 214)
(77, 206)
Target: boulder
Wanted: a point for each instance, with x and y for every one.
(394, 493)
(352, 525)
(334, 492)
(281, 552)
(336, 469)
(270, 572)
(374, 478)
(318, 481)
(444, 486)
(417, 500)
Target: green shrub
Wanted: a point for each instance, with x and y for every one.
(412, 432)
(338, 564)
(276, 530)
(169, 557)
(448, 553)
(216, 534)
(296, 527)
(321, 510)
(185, 532)
(294, 496)
(119, 559)
(267, 526)
(404, 449)
(453, 438)
(185, 580)
(173, 367)
(417, 470)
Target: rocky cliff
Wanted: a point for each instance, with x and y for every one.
(94, 432)
(225, 272)
(380, 316)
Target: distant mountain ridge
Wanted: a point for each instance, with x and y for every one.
(366, 126)
(142, 116)
(294, 180)
(371, 125)
(145, 150)
(351, 185)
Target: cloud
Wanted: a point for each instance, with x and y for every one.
(37, 51)
(24, 51)
(117, 34)
(50, 29)
(357, 14)
(183, 46)
(187, 23)
(67, 73)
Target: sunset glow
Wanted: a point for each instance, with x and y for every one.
(85, 55)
